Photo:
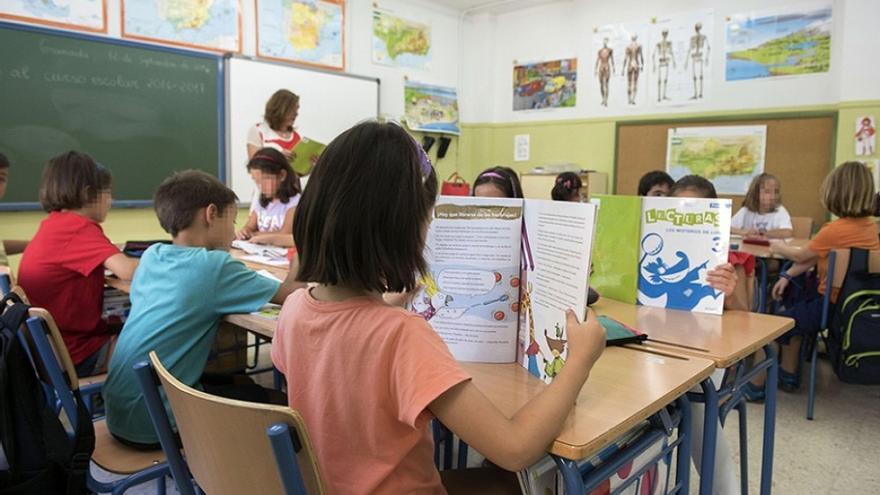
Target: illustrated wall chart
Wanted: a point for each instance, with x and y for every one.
(866, 135)
(550, 84)
(782, 42)
(400, 42)
(431, 108)
(85, 15)
(681, 47)
(303, 31)
(729, 156)
(213, 25)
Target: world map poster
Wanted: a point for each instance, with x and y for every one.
(309, 32)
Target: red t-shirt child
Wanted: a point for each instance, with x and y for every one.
(62, 271)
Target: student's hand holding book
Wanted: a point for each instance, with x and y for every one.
(586, 340)
(723, 278)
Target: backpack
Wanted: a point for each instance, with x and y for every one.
(40, 456)
(854, 333)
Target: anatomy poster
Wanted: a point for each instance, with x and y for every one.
(680, 49)
(619, 66)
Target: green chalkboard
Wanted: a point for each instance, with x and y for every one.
(142, 111)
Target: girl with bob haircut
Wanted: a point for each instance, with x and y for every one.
(497, 182)
(276, 130)
(272, 209)
(340, 343)
(848, 193)
(762, 213)
(567, 187)
(62, 269)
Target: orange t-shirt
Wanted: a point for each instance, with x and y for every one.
(362, 374)
(849, 232)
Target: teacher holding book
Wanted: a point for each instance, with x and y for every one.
(276, 129)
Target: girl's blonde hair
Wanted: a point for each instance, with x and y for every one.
(752, 200)
(848, 191)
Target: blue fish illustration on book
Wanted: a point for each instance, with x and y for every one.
(679, 282)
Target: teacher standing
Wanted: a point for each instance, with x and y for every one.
(276, 129)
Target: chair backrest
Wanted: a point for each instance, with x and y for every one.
(841, 265)
(225, 440)
(802, 227)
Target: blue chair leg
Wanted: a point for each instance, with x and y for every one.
(743, 448)
(811, 396)
(683, 462)
(462, 454)
(769, 421)
(285, 456)
(437, 431)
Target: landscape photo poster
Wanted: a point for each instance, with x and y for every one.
(790, 41)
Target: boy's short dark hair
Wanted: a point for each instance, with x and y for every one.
(654, 178)
(180, 196)
(364, 215)
(4, 162)
(71, 180)
(695, 183)
(504, 177)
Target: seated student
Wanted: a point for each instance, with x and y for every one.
(62, 269)
(848, 193)
(762, 214)
(342, 345)
(567, 187)
(271, 217)
(7, 246)
(497, 182)
(178, 297)
(656, 183)
(724, 278)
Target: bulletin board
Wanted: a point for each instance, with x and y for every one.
(799, 151)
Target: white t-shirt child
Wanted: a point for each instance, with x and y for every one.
(271, 217)
(746, 219)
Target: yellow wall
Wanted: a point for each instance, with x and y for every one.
(590, 143)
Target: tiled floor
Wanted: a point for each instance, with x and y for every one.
(836, 453)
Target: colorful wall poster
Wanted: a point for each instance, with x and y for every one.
(788, 41)
(681, 240)
(310, 32)
(616, 246)
(680, 51)
(551, 84)
(83, 15)
(400, 42)
(729, 156)
(430, 108)
(619, 68)
(866, 135)
(212, 26)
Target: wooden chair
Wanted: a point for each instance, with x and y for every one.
(801, 227)
(838, 266)
(226, 443)
(56, 371)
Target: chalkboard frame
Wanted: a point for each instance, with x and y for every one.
(221, 100)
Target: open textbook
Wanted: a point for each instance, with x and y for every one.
(502, 273)
(681, 240)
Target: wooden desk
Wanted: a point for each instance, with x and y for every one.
(759, 251)
(625, 387)
(724, 339)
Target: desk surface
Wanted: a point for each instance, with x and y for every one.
(724, 339)
(625, 387)
(759, 251)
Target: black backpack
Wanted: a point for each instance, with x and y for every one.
(854, 333)
(41, 457)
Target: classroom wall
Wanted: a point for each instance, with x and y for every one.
(584, 135)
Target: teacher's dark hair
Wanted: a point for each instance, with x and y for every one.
(271, 161)
(71, 181)
(363, 218)
(281, 106)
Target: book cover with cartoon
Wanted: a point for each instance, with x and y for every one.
(681, 240)
(502, 273)
(616, 247)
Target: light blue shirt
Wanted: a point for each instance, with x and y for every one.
(178, 296)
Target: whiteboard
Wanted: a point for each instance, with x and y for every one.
(330, 103)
